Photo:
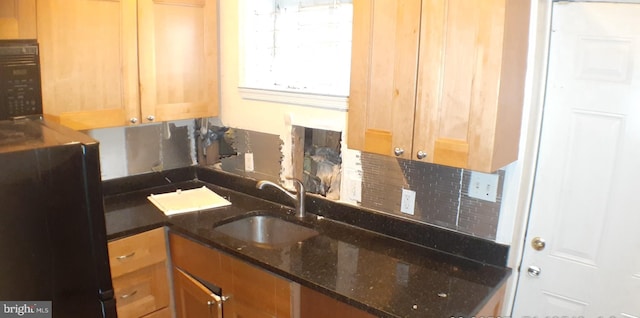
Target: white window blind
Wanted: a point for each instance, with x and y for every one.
(296, 46)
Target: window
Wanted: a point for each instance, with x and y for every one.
(299, 47)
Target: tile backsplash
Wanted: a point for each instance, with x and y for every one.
(126, 151)
(441, 194)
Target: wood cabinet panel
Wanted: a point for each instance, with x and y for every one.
(253, 292)
(17, 19)
(474, 121)
(162, 313)
(142, 292)
(88, 54)
(192, 298)
(109, 63)
(457, 94)
(139, 273)
(135, 252)
(178, 42)
(383, 75)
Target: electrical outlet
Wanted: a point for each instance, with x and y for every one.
(354, 189)
(483, 186)
(408, 202)
(248, 161)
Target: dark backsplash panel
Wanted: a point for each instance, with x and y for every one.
(266, 149)
(441, 194)
(157, 147)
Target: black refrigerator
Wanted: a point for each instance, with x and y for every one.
(53, 245)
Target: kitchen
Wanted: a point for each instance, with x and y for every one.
(276, 118)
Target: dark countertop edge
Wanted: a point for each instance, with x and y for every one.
(137, 230)
(439, 238)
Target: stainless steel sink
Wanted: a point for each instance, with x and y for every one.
(266, 231)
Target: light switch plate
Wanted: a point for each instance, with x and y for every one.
(483, 186)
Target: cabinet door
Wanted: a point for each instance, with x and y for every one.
(253, 292)
(88, 61)
(257, 293)
(383, 75)
(193, 299)
(17, 19)
(471, 82)
(178, 43)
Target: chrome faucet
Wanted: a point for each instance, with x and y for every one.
(298, 198)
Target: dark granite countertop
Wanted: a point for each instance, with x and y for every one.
(371, 270)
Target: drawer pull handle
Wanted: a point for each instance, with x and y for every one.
(125, 296)
(122, 257)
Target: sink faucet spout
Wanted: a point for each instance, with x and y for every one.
(298, 198)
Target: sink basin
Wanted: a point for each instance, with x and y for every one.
(266, 231)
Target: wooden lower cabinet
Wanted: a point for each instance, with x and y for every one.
(251, 291)
(139, 274)
(162, 313)
(193, 298)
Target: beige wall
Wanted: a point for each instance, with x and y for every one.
(257, 115)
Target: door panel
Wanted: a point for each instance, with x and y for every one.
(585, 201)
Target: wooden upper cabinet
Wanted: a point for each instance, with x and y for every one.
(178, 43)
(109, 63)
(459, 87)
(383, 75)
(88, 56)
(17, 19)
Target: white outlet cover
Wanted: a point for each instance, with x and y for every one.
(483, 186)
(408, 201)
(248, 162)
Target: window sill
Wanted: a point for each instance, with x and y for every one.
(301, 99)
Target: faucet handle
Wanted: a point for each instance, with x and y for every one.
(300, 205)
(298, 184)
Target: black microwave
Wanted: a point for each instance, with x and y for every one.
(20, 86)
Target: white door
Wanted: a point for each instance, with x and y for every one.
(586, 198)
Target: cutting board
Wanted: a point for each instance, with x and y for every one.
(182, 201)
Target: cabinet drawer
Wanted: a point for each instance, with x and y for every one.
(162, 313)
(142, 292)
(135, 252)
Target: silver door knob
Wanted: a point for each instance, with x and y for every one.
(151, 118)
(421, 154)
(533, 271)
(538, 243)
(398, 151)
(133, 120)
